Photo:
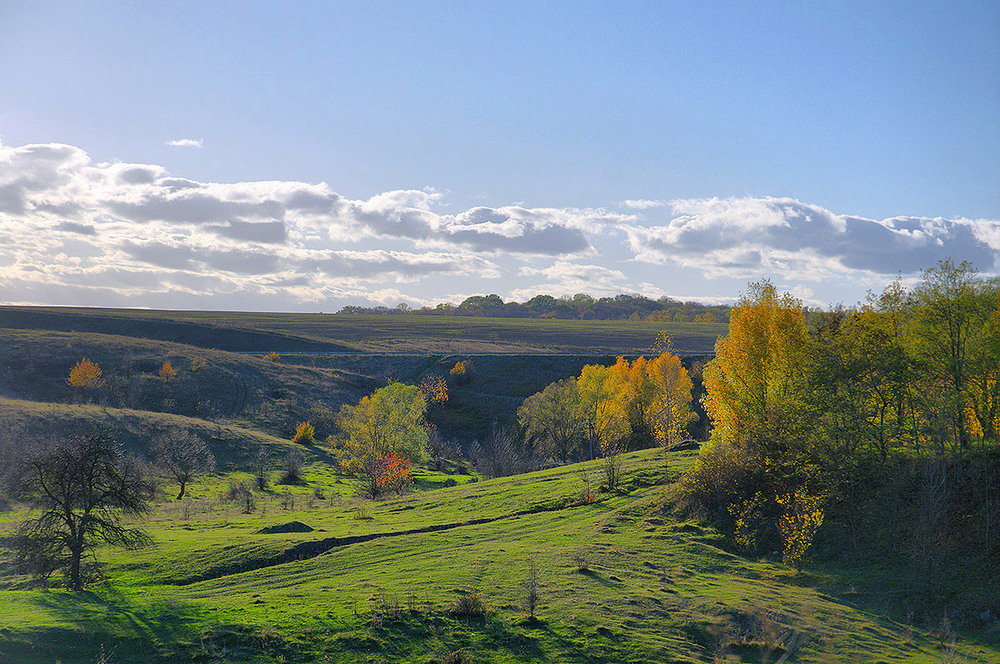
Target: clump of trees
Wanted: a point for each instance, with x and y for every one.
(628, 405)
(816, 412)
(85, 491)
(579, 306)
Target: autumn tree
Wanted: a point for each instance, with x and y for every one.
(184, 456)
(382, 429)
(753, 386)
(553, 420)
(602, 407)
(85, 376)
(669, 410)
(85, 490)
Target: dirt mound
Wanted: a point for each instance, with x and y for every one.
(290, 527)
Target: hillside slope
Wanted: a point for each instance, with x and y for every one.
(619, 580)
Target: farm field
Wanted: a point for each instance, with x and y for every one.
(398, 333)
(620, 580)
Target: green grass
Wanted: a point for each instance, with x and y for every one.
(375, 582)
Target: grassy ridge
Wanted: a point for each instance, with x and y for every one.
(380, 580)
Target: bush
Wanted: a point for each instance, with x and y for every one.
(272, 357)
(292, 473)
(461, 373)
(305, 434)
(241, 494)
(469, 605)
(457, 657)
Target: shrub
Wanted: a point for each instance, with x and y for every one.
(272, 357)
(798, 525)
(457, 657)
(461, 373)
(85, 375)
(305, 434)
(469, 605)
(450, 482)
(198, 363)
(386, 473)
(167, 371)
(435, 389)
(241, 494)
(292, 473)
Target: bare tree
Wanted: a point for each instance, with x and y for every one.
(85, 490)
(184, 456)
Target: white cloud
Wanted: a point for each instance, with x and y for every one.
(73, 231)
(643, 204)
(749, 237)
(186, 143)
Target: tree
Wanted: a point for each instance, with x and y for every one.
(389, 420)
(85, 490)
(602, 407)
(85, 375)
(184, 456)
(753, 384)
(954, 307)
(552, 419)
(670, 405)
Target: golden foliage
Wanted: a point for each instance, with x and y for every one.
(85, 375)
(798, 525)
(198, 363)
(167, 371)
(272, 357)
(305, 434)
(435, 389)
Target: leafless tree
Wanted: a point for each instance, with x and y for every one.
(85, 490)
(184, 456)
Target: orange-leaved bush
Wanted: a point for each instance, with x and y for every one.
(385, 473)
(85, 375)
(305, 434)
(167, 371)
(435, 389)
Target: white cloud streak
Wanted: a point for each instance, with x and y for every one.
(187, 143)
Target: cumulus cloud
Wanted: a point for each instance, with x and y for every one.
(748, 237)
(186, 143)
(74, 231)
(565, 278)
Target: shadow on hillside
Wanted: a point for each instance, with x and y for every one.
(105, 622)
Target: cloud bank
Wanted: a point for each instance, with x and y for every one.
(73, 231)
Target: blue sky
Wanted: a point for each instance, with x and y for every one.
(468, 148)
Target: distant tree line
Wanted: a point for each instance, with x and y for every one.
(579, 307)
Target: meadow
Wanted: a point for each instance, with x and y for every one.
(313, 572)
(620, 579)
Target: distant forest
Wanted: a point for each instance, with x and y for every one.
(580, 306)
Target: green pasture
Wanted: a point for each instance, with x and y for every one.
(621, 579)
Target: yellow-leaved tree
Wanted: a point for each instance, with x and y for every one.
(670, 406)
(391, 420)
(754, 384)
(85, 376)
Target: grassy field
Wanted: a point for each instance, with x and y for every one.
(620, 580)
(407, 333)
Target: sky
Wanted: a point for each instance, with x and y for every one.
(302, 156)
